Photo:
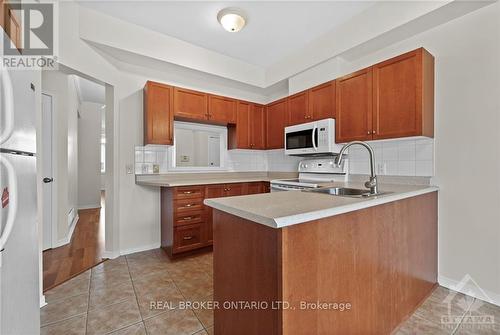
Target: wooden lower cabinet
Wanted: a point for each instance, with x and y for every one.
(186, 223)
(380, 260)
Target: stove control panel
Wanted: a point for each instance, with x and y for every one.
(322, 165)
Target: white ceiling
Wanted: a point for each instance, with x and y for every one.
(274, 29)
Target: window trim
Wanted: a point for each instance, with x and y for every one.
(221, 130)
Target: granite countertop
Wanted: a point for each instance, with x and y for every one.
(281, 209)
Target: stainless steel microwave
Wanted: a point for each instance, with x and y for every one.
(312, 139)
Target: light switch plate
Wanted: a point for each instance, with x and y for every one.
(129, 168)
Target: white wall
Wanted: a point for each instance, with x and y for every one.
(467, 119)
(61, 86)
(72, 110)
(89, 155)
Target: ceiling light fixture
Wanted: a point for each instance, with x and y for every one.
(231, 19)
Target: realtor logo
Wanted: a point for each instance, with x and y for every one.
(466, 312)
(37, 29)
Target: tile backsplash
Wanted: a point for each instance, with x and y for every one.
(150, 157)
(404, 157)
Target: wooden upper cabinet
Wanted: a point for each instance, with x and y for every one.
(298, 108)
(403, 96)
(250, 130)
(257, 127)
(239, 136)
(189, 104)
(10, 22)
(322, 101)
(221, 109)
(354, 107)
(276, 116)
(158, 114)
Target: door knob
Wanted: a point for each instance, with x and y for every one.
(47, 180)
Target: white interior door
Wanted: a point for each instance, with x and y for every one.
(47, 109)
(213, 151)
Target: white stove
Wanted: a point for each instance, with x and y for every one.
(313, 173)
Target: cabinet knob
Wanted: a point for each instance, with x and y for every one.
(369, 132)
(374, 132)
(187, 238)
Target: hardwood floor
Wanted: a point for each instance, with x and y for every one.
(84, 251)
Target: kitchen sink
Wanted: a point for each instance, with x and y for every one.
(346, 192)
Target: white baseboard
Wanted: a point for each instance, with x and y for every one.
(139, 249)
(110, 254)
(68, 236)
(471, 288)
(42, 301)
(89, 206)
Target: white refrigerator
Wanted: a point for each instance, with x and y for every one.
(19, 242)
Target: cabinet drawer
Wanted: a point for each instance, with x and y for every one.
(189, 192)
(188, 218)
(187, 237)
(188, 205)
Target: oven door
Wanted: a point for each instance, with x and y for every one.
(301, 140)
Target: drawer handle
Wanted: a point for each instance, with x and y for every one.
(189, 205)
(186, 238)
(188, 192)
(187, 218)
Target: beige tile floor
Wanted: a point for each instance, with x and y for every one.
(114, 298)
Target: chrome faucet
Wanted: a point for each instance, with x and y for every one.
(372, 183)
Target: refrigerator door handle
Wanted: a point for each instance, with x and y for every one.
(11, 217)
(8, 104)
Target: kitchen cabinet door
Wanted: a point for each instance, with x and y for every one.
(211, 191)
(276, 116)
(239, 135)
(354, 107)
(322, 101)
(298, 108)
(258, 127)
(232, 190)
(266, 187)
(254, 188)
(191, 105)
(158, 115)
(403, 96)
(221, 109)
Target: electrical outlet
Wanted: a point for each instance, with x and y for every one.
(381, 168)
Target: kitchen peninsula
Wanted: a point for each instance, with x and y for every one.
(376, 255)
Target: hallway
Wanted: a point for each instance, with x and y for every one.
(84, 251)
